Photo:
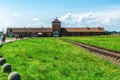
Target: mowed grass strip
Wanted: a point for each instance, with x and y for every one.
(54, 59)
(108, 42)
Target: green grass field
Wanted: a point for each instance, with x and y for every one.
(108, 42)
(53, 59)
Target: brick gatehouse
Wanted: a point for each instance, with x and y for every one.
(56, 30)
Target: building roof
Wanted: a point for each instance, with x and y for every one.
(20, 30)
(97, 29)
(56, 20)
(42, 30)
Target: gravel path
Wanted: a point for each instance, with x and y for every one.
(8, 40)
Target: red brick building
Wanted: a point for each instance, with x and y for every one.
(56, 30)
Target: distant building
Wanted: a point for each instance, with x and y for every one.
(56, 30)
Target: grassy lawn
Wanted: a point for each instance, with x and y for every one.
(53, 59)
(109, 42)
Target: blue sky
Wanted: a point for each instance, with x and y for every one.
(72, 13)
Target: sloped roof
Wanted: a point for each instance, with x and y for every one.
(97, 29)
(30, 29)
(56, 20)
(20, 30)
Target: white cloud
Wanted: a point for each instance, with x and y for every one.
(9, 23)
(16, 14)
(6, 24)
(35, 24)
(36, 19)
(110, 20)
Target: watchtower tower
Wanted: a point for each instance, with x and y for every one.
(56, 26)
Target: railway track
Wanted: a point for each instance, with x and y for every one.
(114, 55)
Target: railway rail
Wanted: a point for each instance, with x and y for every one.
(115, 55)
